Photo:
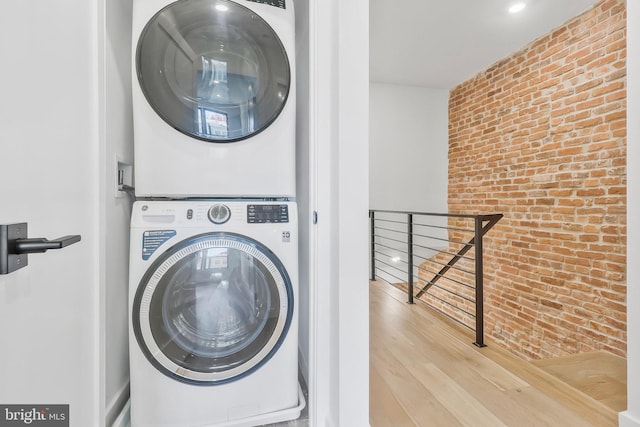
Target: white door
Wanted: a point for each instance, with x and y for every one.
(49, 333)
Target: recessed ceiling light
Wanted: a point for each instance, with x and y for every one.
(517, 7)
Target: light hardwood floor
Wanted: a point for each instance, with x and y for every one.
(598, 374)
(425, 371)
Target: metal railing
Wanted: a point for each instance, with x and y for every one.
(439, 254)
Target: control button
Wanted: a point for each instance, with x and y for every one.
(219, 214)
(189, 213)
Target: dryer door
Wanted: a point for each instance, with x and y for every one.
(213, 308)
(213, 69)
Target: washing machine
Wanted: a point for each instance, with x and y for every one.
(214, 98)
(213, 313)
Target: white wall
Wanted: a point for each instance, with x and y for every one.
(408, 148)
(631, 418)
(117, 142)
(338, 145)
(353, 201)
(324, 396)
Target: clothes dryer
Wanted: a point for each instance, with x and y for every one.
(214, 98)
(213, 326)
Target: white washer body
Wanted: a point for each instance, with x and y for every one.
(175, 397)
(171, 163)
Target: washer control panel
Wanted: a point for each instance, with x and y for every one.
(276, 3)
(261, 214)
(219, 213)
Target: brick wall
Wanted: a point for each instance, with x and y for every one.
(541, 137)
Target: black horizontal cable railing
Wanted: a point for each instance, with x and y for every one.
(439, 254)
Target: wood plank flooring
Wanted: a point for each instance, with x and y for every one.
(425, 371)
(601, 375)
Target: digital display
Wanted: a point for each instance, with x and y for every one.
(258, 214)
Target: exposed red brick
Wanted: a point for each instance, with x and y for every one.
(541, 137)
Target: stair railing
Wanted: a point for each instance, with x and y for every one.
(430, 250)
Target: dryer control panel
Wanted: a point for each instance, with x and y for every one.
(276, 3)
(260, 214)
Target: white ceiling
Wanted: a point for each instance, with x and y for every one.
(441, 43)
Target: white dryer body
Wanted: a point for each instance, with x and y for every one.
(214, 98)
(213, 313)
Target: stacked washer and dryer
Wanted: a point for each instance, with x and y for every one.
(214, 254)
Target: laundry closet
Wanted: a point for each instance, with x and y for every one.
(68, 110)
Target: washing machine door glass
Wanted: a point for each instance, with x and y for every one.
(213, 309)
(213, 69)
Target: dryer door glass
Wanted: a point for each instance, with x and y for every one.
(213, 309)
(213, 69)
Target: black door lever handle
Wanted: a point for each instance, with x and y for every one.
(15, 246)
(39, 245)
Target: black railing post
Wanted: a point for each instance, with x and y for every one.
(372, 221)
(410, 257)
(479, 282)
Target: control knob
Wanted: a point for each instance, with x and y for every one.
(219, 214)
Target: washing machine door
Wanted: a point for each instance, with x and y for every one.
(213, 69)
(213, 308)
